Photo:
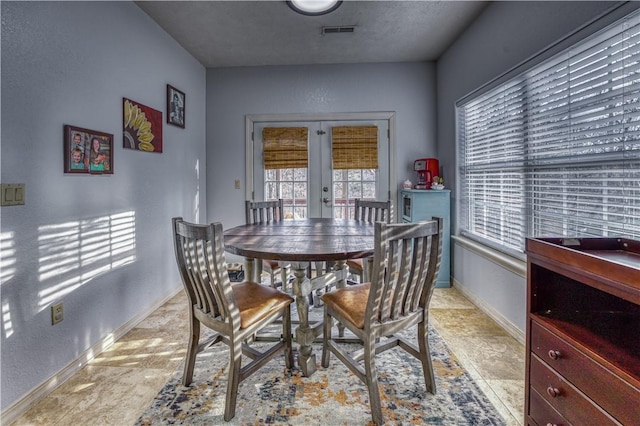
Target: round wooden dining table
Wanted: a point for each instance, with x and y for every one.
(299, 242)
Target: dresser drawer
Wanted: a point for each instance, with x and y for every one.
(605, 388)
(542, 413)
(564, 398)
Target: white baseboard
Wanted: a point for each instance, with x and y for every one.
(23, 404)
(492, 313)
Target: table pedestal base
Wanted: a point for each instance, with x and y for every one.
(304, 333)
(307, 364)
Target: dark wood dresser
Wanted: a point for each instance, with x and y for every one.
(583, 331)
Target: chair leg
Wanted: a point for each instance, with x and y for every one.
(283, 277)
(235, 352)
(192, 350)
(372, 380)
(286, 334)
(367, 267)
(317, 302)
(425, 357)
(259, 267)
(272, 276)
(326, 335)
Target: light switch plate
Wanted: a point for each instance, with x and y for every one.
(13, 194)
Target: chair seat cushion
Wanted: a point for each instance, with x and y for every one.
(355, 264)
(350, 302)
(270, 264)
(256, 301)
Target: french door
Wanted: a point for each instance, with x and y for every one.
(319, 189)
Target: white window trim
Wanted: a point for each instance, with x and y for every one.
(512, 264)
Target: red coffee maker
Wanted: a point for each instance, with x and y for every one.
(427, 169)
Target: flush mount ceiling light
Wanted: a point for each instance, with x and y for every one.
(314, 7)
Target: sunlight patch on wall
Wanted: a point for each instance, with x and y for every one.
(7, 257)
(73, 253)
(7, 326)
(7, 272)
(196, 201)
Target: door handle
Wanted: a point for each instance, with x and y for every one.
(326, 200)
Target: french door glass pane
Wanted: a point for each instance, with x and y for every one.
(291, 186)
(349, 185)
(369, 190)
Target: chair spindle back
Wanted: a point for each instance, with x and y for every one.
(264, 211)
(200, 256)
(405, 267)
(372, 211)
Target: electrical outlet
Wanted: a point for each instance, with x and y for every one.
(57, 313)
(237, 184)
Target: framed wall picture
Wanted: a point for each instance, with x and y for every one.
(87, 151)
(175, 106)
(142, 127)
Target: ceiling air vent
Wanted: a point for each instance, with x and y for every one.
(337, 30)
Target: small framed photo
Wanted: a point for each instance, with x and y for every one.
(175, 106)
(87, 151)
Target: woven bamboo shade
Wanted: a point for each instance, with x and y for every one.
(355, 147)
(285, 147)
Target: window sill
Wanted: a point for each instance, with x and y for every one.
(512, 264)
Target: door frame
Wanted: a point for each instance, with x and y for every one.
(252, 119)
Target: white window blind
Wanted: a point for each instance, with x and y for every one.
(555, 151)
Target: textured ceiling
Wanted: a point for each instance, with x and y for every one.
(254, 33)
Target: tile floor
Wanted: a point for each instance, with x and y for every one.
(117, 386)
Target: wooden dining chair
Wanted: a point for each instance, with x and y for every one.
(235, 312)
(268, 211)
(405, 266)
(368, 211)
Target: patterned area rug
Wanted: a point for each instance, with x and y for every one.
(331, 396)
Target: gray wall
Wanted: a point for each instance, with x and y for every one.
(72, 63)
(504, 35)
(232, 93)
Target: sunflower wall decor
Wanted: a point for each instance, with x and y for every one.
(142, 127)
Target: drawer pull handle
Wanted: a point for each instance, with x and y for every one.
(554, 354)
(553, 392)
(551, 424)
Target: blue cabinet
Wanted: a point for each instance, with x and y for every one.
(421, 204)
